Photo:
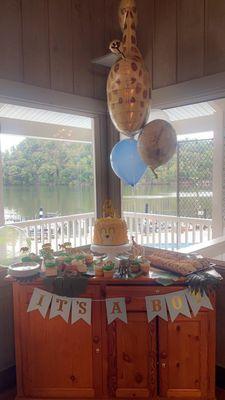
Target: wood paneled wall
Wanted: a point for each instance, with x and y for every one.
(50, 43)
(188, 40)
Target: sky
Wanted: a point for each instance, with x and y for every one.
(8, 141)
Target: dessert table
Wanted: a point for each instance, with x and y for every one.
(141, 360)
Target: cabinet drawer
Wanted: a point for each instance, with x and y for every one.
(135, 296)
(91, 291)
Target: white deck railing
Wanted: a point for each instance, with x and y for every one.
(163, 231)
(76, 229)
(168, 231)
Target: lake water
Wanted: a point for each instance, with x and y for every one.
(25, 202)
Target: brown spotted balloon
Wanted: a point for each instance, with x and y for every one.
(128, 84)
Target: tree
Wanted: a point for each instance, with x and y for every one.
(36, 161)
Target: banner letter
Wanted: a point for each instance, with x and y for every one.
(116, 308)
(156, 305)
(81, 309)
(40, 301)
(60, 306)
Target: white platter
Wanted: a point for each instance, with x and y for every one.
(111, 251)
(23, 270)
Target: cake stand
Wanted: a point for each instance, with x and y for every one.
(111, 251)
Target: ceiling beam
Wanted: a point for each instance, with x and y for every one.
(45, 131)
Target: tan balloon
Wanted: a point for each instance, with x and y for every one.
(157, 143)
(128, 95)
(128, 84)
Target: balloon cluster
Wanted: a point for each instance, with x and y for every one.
(128, 97)
(155, 146)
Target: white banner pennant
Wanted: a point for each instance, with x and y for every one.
(177, 304)
(156, 305)
(116, 308)
(196, 301)
(60, 306)
(81, 309)
(40, 300)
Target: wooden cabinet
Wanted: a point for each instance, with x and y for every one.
(131, 368)
(132, 348)
(140, 360)
(55, 359)
(186, 367)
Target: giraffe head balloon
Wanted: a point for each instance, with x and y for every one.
(128, 84)
(116, 47)
(127, 7)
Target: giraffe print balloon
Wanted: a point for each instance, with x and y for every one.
(128, 84)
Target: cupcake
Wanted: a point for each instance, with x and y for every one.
(145, 266)
(98, 269)
(81, 266)
(108, 270)
(135, 266)
(51, 268)
(31, 258)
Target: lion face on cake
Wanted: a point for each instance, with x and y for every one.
(110, 231)
(107, 235)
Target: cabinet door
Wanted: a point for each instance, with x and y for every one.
(60, 360)
(185, 362)
(132, 357)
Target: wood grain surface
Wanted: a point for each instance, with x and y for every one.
(50, 43)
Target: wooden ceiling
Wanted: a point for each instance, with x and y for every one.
(50, 43)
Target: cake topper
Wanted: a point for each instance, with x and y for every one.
(108, 210)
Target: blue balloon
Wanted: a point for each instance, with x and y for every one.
(126, 161)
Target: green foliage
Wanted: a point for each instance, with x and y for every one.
(36, 161)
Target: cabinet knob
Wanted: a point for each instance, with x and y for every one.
(96, 339)
(138, 377)
(163, 365)
(163, 355)
(97, 351)
(72, 378)
(126, 357)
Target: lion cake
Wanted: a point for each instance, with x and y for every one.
(110, 230)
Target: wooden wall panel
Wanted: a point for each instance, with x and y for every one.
(82, 14)
(112, 28)
(190, 39)
(35, 42)
(50, 43)
(99, 49)
(60, 43)
(10, 40)
(164, 43)
(145, 30)
(215, 36)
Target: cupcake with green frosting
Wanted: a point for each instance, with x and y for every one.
(98, 268)
(51, 268)
(108, 269)
(135, 265)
